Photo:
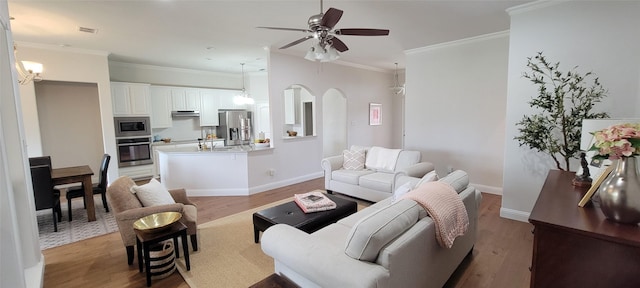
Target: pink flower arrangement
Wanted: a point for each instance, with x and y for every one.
(617, 141)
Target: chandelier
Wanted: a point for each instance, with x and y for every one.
(243, 98)
(397, 88)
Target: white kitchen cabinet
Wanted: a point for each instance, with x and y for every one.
(292, 106)
(160, 107)
(226, 99)
(130, 99)
(137, 172)
(185, 98)
(209, 104)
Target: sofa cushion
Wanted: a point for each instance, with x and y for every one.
(403, 189)
(373, 232)
(349, 176)
(406, 159)
(352, 219)
(380, 181)
(458, 179)
(353, 160)
(429, 177)
(382, 159)
(153, 194)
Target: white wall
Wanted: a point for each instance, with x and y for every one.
(68, 65)
(598, 36)
(156, 75)
(334, 117)
(454, 105)
(298, 157)
(21, 262)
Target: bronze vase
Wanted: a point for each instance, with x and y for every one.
(620, 192)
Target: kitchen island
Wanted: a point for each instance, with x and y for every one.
(227, 171)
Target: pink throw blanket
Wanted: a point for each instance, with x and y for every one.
(445, 207)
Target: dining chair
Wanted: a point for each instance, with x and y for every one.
(44, 160)
(42, 187)
(98, 188)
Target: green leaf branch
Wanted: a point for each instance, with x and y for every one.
(563, 101)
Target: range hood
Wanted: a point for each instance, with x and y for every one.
(185, 113)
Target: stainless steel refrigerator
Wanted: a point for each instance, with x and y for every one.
(235, 127)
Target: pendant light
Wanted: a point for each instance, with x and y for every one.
(243, 98)
(397, 88)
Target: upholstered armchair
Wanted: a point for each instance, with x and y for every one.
(127, 209)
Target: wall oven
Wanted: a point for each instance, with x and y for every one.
(133, 151)
(132, 126)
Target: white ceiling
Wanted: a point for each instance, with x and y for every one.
(178, 33)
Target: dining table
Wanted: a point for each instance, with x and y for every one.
(76, 174)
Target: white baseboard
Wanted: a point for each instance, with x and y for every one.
(487, 189)
(514, 214)
(254, 189)
(34, 275)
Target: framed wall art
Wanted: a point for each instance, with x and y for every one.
(375, 114)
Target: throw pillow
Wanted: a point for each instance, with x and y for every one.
(152, 194)
(403, 189)
(429, 177)
(353, 160)
(371, 233)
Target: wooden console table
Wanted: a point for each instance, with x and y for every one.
(578, 247)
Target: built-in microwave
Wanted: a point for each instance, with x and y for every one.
(132, 126)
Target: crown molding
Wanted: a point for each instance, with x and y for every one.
(464, 41)
(59, 48)
(171, 69)
(532, 6)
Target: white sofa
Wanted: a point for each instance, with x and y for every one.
(371, 183)
(407, 258)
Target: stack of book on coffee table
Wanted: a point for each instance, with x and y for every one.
(314, 201)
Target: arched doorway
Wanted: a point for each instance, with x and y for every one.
(334, 123)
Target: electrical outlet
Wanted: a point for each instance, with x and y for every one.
(449, 169)
(272, 172)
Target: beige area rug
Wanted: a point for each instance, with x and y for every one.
(228, 257)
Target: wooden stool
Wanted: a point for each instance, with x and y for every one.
(145, 240)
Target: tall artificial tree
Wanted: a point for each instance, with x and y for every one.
(563, 101)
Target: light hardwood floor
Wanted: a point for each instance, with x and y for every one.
(501, 257)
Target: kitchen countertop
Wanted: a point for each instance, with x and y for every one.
(176, 142)
(227, 149)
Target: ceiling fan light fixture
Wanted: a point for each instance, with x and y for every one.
(333, 53)
(311, 55)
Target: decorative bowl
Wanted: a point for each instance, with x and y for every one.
(292, 133)
(156, 222)
(262, 145)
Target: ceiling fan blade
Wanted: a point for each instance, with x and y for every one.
(362, 32)
(297, 42)
(331, 18)
(338, 44)
(286, 29)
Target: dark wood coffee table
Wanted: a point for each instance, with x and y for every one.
(289, 213)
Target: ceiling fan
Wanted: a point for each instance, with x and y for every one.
(321, 27)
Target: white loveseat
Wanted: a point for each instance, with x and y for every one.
(373, 183)
(393, 254)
